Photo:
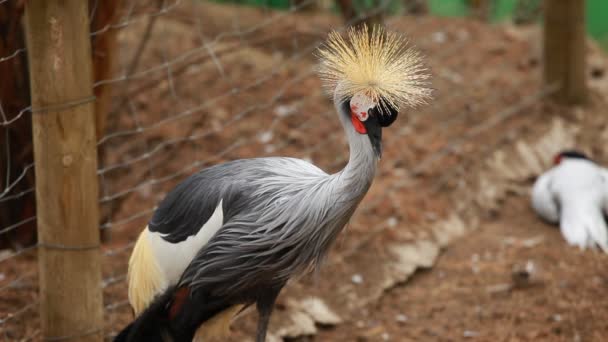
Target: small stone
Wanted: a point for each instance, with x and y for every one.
(283, 110)
(320, 312)
(270, 148)
(439, 37)
(475, 269)
(265, 137)
(357, 279)
(470, 334)
(431, 216)
(401, 318)
(526, 275)
(532, 242)
(475, 257)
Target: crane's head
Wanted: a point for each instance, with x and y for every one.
(374, 73)
(571, 154)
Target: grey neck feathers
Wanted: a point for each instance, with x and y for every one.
(345, 189)
(358, 174)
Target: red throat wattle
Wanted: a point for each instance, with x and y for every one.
(557, 159)
(357, 124)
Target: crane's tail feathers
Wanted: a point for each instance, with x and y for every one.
(377, 63)
(152, 324)
(144, 276)
(157, 323)
(585, 230)
(218, 327)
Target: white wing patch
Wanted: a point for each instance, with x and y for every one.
(173, 258)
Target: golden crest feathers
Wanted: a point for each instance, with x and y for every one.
(377, 63)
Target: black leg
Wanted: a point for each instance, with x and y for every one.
(265, 304)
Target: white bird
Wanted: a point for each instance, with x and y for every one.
(574, 193)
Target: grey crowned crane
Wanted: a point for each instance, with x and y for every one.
(574, 193)
(233, 234)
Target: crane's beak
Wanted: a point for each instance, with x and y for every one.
(373, 126)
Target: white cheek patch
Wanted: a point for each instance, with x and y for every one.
(360, 104)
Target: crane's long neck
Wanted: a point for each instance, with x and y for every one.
(339, 195)
(357, 175)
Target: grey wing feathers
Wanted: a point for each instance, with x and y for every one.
(267, 243)
(185, 209)
(191, 203)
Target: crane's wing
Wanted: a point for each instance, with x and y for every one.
(544, 200)
(280, 233)
(187, 208)
(183, 222)
(187, 218)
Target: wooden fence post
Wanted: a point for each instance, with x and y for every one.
(564, 49)
(59, 56)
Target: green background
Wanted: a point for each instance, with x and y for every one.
(597, 11)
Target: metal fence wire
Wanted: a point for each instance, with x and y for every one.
(181, 85)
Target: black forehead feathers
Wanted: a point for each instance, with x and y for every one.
(385, 119)
(573, 154)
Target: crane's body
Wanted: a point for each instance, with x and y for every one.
(574, 194)
(239, 194)
(232, 235)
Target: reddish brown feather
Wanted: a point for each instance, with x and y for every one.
(180, 297)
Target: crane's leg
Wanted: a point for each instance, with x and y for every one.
(265, 304)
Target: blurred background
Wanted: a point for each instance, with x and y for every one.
(444, 246)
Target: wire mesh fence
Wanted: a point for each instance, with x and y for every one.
(181, 85)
